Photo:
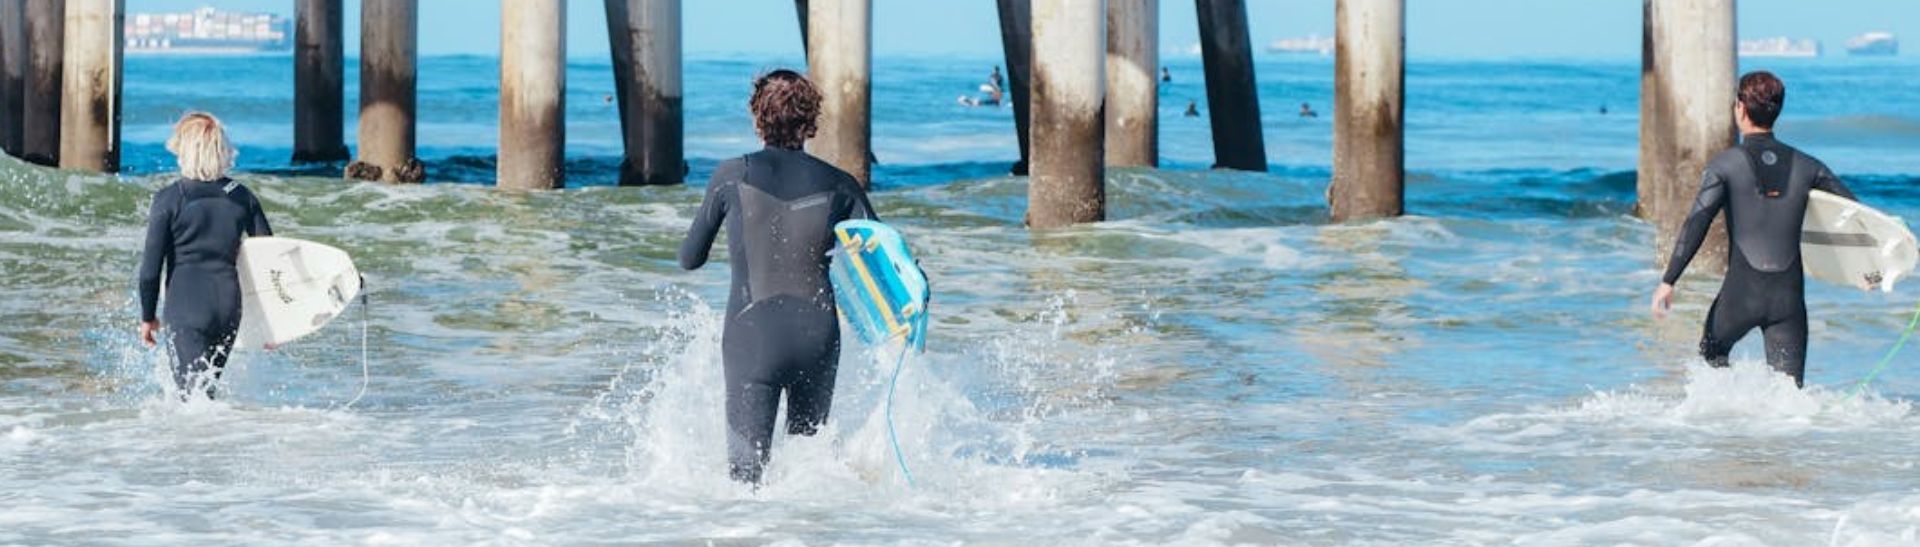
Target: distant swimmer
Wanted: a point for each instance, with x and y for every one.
(1763, 186)
(1193, 109)
(995, 79)
(782, 334)
(1306, 111)
(1603, 109)
(1165, 76)
(194, 228)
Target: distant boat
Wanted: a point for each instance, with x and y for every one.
(1311, 44)
(1780, 47)
(207, 30)
(1874, 44)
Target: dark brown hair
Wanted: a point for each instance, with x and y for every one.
(786, 108)
(1763, 95)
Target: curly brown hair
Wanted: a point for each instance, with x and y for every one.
(786, 108)
(1764, 95)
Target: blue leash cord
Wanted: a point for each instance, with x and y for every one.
(899, 456)
(1877, 369)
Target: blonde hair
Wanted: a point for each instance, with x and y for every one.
(200, 145)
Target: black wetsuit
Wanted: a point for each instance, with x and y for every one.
(194, 230)
(782, 331)
(1763, 185)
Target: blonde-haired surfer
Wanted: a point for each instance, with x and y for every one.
(194, 228)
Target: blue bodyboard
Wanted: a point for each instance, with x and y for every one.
(881, 292)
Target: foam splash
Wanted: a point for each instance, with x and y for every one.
(670, 402)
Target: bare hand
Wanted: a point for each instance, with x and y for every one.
(147, 329)
(1662, 300)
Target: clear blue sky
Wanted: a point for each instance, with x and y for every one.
(1435, 28)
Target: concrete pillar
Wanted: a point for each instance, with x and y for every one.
(1069, 87)
(645, 35)
(1133, 83)
(1369, 75)
(389, 39)
(40, 106)
(533, 90)
(13, 72)
(1687, 87)
(90, 105)
(319, 65)
(840, 62)
(1016, 39)
(1233, 101)
(800, 10)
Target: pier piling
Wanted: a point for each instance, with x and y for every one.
(1233, 102)
(1133, 83)
(800, 11)
(90, 104)
(840, 62)
(13, 73)
(1687, 81)
(389, 64)
(1369, 163)
(1016, 40)
(645, 38)
(40, 107)
(319, 67)
(533, 89)
(1068, 185)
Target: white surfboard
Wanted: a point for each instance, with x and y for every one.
(1847, 243)
(290, 288)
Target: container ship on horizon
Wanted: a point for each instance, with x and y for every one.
(1780, 47)
(207, 30)
(1314, 44)
(1873, 44)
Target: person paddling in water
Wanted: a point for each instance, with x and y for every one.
(194, 228)
(1763, 185)
(782, 331)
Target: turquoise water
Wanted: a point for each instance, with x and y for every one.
(1218, 364)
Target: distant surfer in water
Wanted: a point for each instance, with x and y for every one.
(782, 333)
(994, 89)
(1763, 185)
(194, 228)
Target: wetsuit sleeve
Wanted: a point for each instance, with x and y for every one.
(862, 208)
(258, 227)
(155, 257)
(1825, 180)
(1713, 197)
(713, 210)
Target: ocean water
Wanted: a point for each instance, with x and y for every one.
(1217, 365)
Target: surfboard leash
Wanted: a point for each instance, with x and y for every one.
(366, 370)
(1888, 358)
(899, 456)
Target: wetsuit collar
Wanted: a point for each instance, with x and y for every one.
(1758, 136)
